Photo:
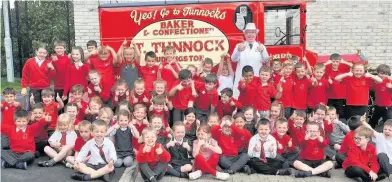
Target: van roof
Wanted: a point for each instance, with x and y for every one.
(179, 2)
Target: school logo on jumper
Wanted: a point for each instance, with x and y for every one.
(320, 84)
(363, 83)
(383, 88)
(6, 108)
(302, 86)
(153, 71)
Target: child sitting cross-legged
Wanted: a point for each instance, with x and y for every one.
(61, 142)
(85, 135)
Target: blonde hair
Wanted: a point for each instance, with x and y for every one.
(86, 124)
(96, 99)
(364, 131)
(66, 120)
(106, 110)
(144, 133)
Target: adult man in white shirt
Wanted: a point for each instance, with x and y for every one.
(250, 53)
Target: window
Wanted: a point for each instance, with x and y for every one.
(282, 25)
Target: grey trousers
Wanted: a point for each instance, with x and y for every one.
(158, 171)
(13, 158)
(5, 143)
(234, 163)
(385, 166)
(127, 161)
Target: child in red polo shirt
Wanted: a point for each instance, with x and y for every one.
(50, 106)
(337, 91)
(181, 94)
(140, 122)
(230, 160)
(153, 158)
(287, 85)
(357, 84)
(286, 150)
(276, 111)
(353, 123)
(264, 91)
(21, 137)
(84, 136)
(159, 108)
(60, 60)
(77, 93)
(204, 69)
(92, 110)
(97, 87)
(361, 163)
(41, 139)
(139, 94)
(156, 122)
(276, 74)
(72, 110)
(120, 93)
(207, 99)
(318, 91)
(129, 63)
(301, 86)
(206, 152)
(37, 73)
(77, 71)
(297, 128)
(242, 141)
(169, 68)
(245, 86)
(227, 104)
(149, 72)
(8, 108)
(312, 154)
(104, 63)
(383, 93)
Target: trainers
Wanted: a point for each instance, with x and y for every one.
(285, 165)
(381, 177)
(5, 164)
(21, 165)
(222, 176)
(69, 165)
(284, 172)
(184, 175)
(326, 174)
(337, 166)
(302, 174)
(247, 170)
(358, 179)
(195, 175)
(229, 171)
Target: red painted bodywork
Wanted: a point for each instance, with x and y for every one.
(117, 25)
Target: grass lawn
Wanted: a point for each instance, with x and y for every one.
(15, 85)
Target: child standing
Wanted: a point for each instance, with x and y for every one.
(336, 92)
(245, 85)
(123, 135)
(152, 157)
(206, 152)
(301, 86)
(129, 63)
(60, 60)
(230, 160)
(149, 71)
(169, 68)
(318, 92)
(77, 72)
(227, 104)
(104, 63)
(207, 99)
(264, 91)
(357, 85)
(179, 149)
(8, 107)
(181, 94)
(61, 142)
(383, 93)
(263, 150)
(102, 156)
(204, 69)
(287, 82)
(36, 74)
(21, 138)
(84, 136)
(312, 154)
(361, 163)
(225, 73)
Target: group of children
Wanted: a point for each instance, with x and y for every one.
(107, 111)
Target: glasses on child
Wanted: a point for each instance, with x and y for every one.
(358, 138)
(312, 131)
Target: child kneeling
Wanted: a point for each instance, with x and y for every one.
(102, 156)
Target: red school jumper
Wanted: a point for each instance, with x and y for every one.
(36, 77)
(7, 114)
(61, 73)
(76, 76)
(337, 90)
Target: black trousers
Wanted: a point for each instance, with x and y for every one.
(158, 171)
(385, 166)
(354, 172)
(178, 115)
(37, 95)
(271, 167)
(288, 157)
(13, 158)
(340, 159)
(380, 112)
(338, 104)
(202, 115)
(234, 163)
(354, 111)
(61, 93)
(40, 145)
(5, 143)
(288, 111)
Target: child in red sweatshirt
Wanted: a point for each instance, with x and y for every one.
(41, 139)
(36, 74)
(230, 160)
(60, 60)
(97, 87)
(227, 104)
(286, 150)
(8, 108)
(153, 158)
(361, 163)
(21, 138)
